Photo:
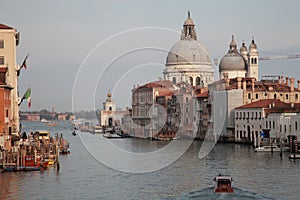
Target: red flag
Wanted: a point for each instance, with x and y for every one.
(24, 62)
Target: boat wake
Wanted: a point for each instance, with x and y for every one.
(208, 194)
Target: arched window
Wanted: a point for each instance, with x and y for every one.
(251, 60)
(255, 60)
(256, 96)
(198, 80)
(174, 80)
(275, 96)
(249, 96)
(191, 80)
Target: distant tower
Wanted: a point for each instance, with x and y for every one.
(253, 61)
(109, 105)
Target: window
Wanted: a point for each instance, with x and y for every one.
(1, 44)
(191, 81)
(296, 96)
(186, 99)
(275, 96)
(259, 115)
(266, 94)
(266, 124)
(296, 126)
(273, 124)
(110, 108)
(256, 96)
(285, 128)
(286, 96)
(280, 128)
(174, 80)
(1, 60)
(249, 96)
(198, 80)
(6, 113)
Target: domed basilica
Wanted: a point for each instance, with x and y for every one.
(188, 60)
(239, 64)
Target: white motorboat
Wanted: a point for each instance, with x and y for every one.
(267, 149)
(98, 129)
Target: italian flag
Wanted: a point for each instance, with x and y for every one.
(27, 97)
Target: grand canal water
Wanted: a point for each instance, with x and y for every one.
(81, 176)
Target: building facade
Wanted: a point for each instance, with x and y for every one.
(9, 40)
(109, 116)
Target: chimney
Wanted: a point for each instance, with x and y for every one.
(298, 86)
(286, 81)
(292, 84)
(244, 85)
(239, 84)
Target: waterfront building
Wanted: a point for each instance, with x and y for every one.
(109, 116)
(5, 106)
(9, 40)
(270, 87)
(188, 60)
(281, 124)
(240, 64)
(149, 101)
(251, 119)
(162, 110)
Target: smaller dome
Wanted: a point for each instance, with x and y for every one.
(232, 61)
(108, 94)
(252, 45)
(243, 47)
(188, 21)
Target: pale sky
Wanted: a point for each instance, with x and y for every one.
(71, 43)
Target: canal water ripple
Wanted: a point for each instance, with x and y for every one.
(81, 176)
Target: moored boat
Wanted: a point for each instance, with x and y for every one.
(267, 149)
(223, 184)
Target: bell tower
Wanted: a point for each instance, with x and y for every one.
(253, 61)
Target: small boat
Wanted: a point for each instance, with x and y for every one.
(267, 149)
(98, 129)
(223, 184)
(111, 135)
(294, 156)
(65, 151)
(51, 124)
(74, 133)
(22, 168)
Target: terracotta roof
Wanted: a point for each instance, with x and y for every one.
(155, 84)
(266, 103)
(3, 26)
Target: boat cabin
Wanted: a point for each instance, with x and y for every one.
(44, 135)
(223, 184)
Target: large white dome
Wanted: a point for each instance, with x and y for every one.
(188, 52)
